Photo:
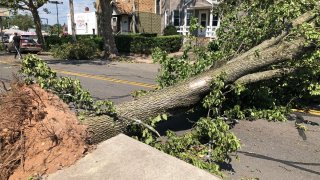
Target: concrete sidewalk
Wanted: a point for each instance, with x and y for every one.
(123, 158)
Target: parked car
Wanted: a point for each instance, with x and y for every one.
(4, 39)
(26, 45)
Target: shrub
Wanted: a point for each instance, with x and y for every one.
(135, 43)
(149, 34)
(169, 43)
(99, 42)
(213, 46)
(170, 30)
(56, 40)
(130, 43)
(123, 42)
(53, 40)
(96, 39)
(84, 49)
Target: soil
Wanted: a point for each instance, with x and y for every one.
(38, 133)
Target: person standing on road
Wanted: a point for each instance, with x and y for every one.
(16, 43)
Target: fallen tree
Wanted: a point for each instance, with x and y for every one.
(189, 92)
(273, 62)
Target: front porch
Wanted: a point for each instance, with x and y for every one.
(206, 18)
(209, 31)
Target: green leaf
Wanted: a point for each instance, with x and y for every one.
(164, 117)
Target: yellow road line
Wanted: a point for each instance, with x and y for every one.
(310, 111)
(107, 79)
(103, 78)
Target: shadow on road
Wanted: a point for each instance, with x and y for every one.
(289, 163)
(181, 122)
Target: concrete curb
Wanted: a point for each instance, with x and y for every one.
(123, 158)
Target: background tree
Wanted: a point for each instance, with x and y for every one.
(24, 22)
(104, 12)
(32, 6)
(73, 25)
(54, 29)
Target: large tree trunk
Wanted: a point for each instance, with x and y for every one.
(191, 91)
(98, 14)
(105, 27)
(73, 27)
(37, 23)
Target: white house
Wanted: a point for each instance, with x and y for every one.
(86, 23)
(180, 12)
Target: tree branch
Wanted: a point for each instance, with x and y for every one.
(4, 86)
(306, 17)
(15, 5)
(264, 75)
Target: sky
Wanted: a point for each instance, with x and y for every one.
(79, 6)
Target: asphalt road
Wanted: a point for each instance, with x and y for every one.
(114, 81)
(269, 150)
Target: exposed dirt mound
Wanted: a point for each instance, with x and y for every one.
(38, 133)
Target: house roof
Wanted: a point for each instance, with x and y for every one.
(123, 7)
(198, 4)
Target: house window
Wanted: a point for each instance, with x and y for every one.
(114, 21)
(166, 18)
(189, 16)
(176, 18)
(203, 19)
(215, 20)
(157, 6)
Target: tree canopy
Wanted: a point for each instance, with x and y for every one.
(24, 22)
(244, 25)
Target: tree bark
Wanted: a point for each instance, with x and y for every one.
(264, 75)
(98, 14)
(106, 30)
(37, 23)
(191, 91)
(73, 28)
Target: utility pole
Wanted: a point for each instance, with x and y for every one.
(47, 26)
(1, 26)
(73, 28)
(56, 3)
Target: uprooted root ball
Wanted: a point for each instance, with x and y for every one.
(38, 133)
